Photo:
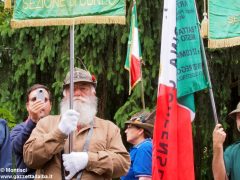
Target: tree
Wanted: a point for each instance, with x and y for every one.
(41, 55)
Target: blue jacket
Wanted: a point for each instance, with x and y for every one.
(141, 161)
(19, 135)
(5, 148)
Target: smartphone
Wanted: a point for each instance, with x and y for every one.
(40, 95)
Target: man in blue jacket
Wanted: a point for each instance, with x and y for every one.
(139, 133)
(5, 150)
(38, 105)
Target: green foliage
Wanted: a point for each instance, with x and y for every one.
(130, 107)
(5, 114)
(41, 55)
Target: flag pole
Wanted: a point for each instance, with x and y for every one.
(210, 84)
(71, 79)
(207, 70)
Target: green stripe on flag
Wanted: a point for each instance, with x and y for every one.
(133, 24)
(188, 101)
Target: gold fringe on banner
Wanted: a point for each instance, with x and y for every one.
(221, 43)
(68, 21)
(7, 4)
(204, 26)
(100, 20)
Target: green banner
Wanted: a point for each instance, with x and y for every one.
(67, 12)
(224, 23)
(190, 75)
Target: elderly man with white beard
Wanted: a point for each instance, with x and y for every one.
(97, 149)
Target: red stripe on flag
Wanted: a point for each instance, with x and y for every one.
(172, 139)
(135, 70)
(185, 145)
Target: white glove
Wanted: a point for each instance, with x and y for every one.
(74, 162)
(69, 121)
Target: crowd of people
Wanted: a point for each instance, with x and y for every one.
(76, 144)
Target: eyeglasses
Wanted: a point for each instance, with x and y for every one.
(130, 126)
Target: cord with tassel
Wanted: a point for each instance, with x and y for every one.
(8, 4)
(204, 23)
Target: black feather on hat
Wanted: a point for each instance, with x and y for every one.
(143, 120)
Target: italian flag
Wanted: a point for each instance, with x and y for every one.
(134, 55)
(181, 74)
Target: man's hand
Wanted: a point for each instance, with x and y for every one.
(35, 110)
(74, 162)
(69, 121)
(218, 136)
(218, 166)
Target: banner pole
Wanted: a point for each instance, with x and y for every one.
(207, 70)
(209, 81)
(71, 78)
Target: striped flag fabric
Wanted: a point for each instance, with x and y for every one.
(134, 54)
(181, 75)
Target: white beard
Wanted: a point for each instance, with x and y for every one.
(86, 107)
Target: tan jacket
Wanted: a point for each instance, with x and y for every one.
(108, 158)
